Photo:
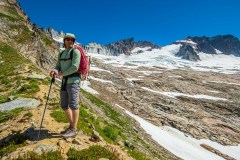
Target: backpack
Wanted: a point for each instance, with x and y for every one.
(83, 66)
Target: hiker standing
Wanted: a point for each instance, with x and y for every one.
(70, 88)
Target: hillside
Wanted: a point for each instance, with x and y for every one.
(142, 101)
(26, 55)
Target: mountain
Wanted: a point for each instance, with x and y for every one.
(145, 102)
(27, 53)
(127, 45)
(191, 47)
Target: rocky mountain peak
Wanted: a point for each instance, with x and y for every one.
(125, 46)
(226, 44)
(54, 34)
(221, 44)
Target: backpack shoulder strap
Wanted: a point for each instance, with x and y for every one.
(71, 54)
(61, 54)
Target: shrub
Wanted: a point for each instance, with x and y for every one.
(111, 132)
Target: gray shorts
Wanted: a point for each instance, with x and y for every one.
(70, 97)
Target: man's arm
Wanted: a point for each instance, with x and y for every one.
(57, 68)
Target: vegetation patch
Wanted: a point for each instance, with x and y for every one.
(125, 123)
(109, 111)
(10, 18)
(92, 153)
(30, 88)
(46, 39)
(8, 75)
(13, 12)
(4, 116)
(111, 132)
(108, 133)
(45, 155)
(29, 114)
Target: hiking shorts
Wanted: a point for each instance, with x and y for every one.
(70, 97)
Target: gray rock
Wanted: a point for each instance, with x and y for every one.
(19, 103)
(10, 98)
(120, 143)
(76, 141)
(44, 148)
(95, 136)
(128, 144)
(4, 127)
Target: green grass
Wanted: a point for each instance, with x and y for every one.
(30, 88)
(109, 111)
(138, 155)
(46, 39)
(110, 133)
(24, 34)
(46, 81)
(92, 153)
(10, 18)
(11, 59)
(16, 141)
(14, 13)
(44, 156)
(9, 77)
(29, 114)
(4, 116)
(3, 98)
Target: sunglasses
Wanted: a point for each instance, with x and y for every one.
(69, 39)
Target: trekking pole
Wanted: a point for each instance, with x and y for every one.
(52, 81)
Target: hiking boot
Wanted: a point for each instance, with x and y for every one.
(70, 133)
(65, 130)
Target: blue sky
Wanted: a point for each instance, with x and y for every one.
(159, 21)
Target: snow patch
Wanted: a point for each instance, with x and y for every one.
(182, 145)
(101, 80)
(187, 41)
(94, 68)
(177, 94)
(85, 86)
(133, 79)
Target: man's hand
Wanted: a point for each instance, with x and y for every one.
(53, 73)
(60, 74)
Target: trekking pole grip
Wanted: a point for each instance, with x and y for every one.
(53, 80)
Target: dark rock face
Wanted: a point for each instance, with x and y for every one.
(123, 46)
(127, 45)
(224, 44)
(188, 52)
(227, 44)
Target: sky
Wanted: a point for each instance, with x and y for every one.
(158, 21)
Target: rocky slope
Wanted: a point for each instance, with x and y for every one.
(27, 38)
(155, 93)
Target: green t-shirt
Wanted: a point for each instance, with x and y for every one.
(69, 66)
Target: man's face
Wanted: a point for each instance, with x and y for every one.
(69, 42)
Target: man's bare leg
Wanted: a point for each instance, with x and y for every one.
(75, 115)
(69, 115)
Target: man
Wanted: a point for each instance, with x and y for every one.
(69, 94)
